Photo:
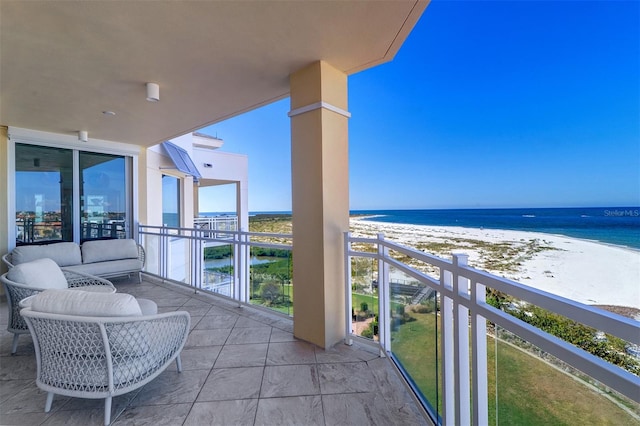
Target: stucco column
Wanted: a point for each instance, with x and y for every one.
(320, 201)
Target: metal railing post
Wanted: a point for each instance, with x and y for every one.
(479, 357)
(384, 302)
(461, 346)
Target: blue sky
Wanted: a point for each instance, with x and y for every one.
(487, 104)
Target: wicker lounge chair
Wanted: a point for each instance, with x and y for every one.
(101, 356)
(31, 278)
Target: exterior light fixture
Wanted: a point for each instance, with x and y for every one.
(153, 92)
(83, 136)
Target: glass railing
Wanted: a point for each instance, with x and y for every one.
(247, 267)
(481, 349)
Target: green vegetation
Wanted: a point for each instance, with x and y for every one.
(530, 391)
(608, 347)
(220, 252)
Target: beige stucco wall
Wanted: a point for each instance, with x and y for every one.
(320, 201)
(150, 193)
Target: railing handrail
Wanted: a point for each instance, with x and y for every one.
(470, 298)
(609, 322)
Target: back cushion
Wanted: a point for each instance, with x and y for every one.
(105, 250)
(85, 303)
(128, 339)
(41, 274)
(64, 254)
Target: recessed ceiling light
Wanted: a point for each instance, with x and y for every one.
(108, 113)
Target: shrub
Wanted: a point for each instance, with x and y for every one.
(270, 292)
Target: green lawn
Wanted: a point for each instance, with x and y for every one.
(530, 392)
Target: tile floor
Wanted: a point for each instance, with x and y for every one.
(241, 366)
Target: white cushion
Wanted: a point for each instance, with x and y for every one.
(41, 274)
(148, 307)
(85, 303)
(64, 254)
(105, 250)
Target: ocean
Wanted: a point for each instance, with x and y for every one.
(610, 225)
(616, 225)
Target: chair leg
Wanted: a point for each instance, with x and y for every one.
(107, 411)
(14, 345)
(139, 277)
(179, 363)
(47, 405)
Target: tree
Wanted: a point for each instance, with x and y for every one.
(270, 292)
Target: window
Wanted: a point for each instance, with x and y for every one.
(170, 201)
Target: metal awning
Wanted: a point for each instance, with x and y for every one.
(182, 160)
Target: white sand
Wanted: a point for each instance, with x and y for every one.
(585, 271)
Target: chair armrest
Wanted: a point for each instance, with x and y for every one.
(8, 260)
(78, 279)
(145, 346)
(141, 255)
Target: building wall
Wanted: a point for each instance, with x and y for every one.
(4, 196)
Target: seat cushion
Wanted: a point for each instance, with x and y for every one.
(85, 303)
(40, 274)
(64, 254)
(113, 267)
(105, 250)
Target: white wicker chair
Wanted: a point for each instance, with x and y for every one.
(103, 357)
(17, 291)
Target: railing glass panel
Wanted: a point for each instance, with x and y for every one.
(270, 275)
(528, 386)
(364, 296)
(442, 316)
(218, 269)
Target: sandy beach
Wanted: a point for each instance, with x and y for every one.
(588, 272)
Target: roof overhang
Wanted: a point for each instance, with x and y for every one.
(65, 62)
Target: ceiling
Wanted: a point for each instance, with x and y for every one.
(62, 63)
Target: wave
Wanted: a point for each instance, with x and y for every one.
(528, 215)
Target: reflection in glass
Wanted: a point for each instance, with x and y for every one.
(102, 196)
(170, 201)
(44, 194)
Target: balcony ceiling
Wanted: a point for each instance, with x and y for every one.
(62, 63)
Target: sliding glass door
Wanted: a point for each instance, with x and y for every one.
(44, 194)
(70, 195)
(103, 190)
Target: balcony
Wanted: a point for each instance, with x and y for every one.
(460, 359)
(240, 366)
(215, 226)
(464, 358)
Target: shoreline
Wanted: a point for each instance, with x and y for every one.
(366, 218)
(607, 274)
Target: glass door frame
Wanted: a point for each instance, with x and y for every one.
(32, 137)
